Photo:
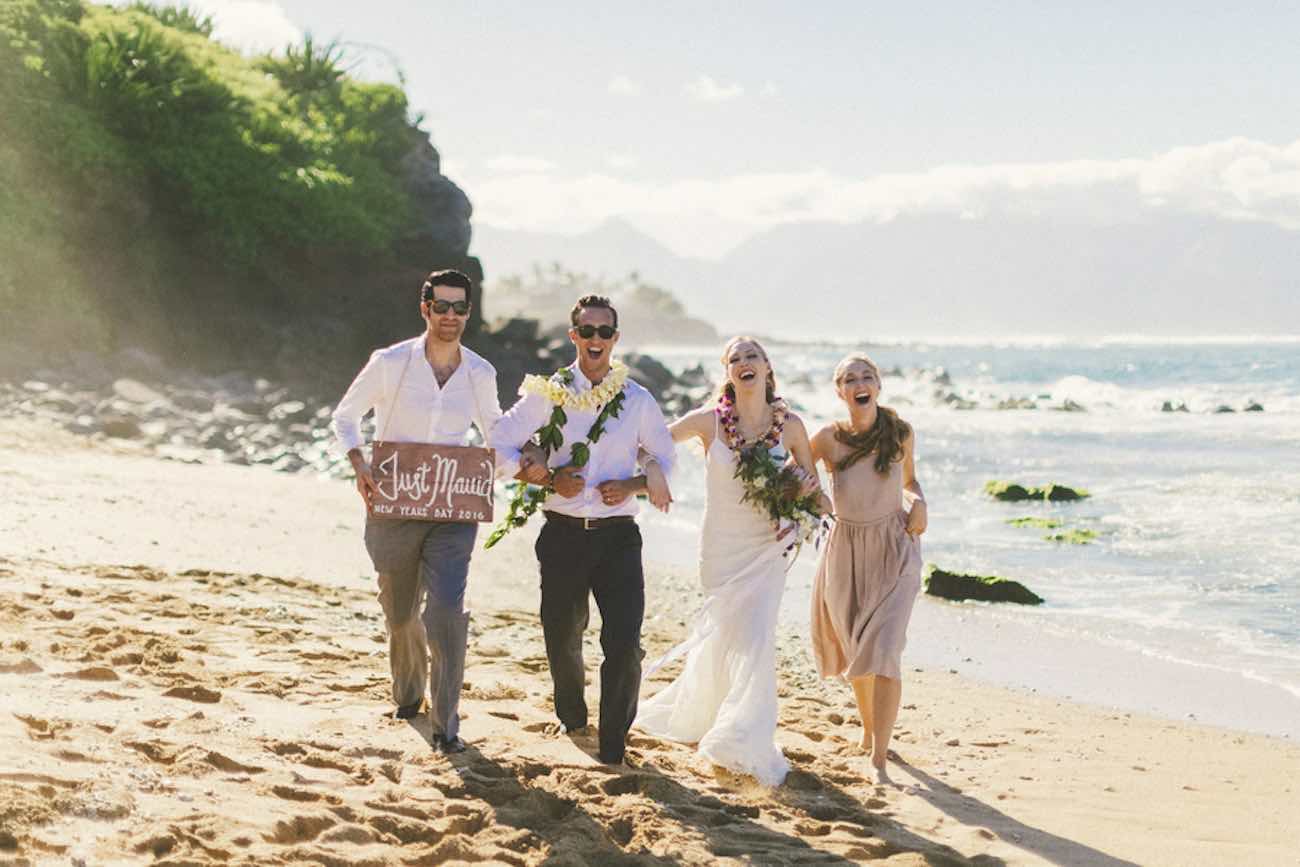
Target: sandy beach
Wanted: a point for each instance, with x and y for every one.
(193, 670)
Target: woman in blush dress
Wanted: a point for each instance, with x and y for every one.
(724, 701)
(870, 568)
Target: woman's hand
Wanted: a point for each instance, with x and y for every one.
(656, 487)
(917, 519)
(808, 482)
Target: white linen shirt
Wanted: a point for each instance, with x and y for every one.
(640, 423)
(410, 406)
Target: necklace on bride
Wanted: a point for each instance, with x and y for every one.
(766, 482)
(729, 421)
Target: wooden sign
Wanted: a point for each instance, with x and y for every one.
(433, 483)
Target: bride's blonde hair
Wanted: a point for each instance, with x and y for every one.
(730, 390)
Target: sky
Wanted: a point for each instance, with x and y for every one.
(704, 123)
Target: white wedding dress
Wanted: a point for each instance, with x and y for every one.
(725, 698)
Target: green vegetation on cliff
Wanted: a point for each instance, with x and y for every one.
(153, 180)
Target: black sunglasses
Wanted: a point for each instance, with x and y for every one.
(586, 332)
(460, 308)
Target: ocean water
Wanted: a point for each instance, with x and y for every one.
(1197, 554)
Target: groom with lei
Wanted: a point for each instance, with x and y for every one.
(577, 435)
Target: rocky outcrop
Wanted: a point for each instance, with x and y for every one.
(442, 210)
(238, 418)
(981, 588)
(677, 395)
(440, 231)
(1011, 492)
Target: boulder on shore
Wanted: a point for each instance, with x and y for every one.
(982, 588)
(1011, 492)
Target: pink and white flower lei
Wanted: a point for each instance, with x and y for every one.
(729, 421)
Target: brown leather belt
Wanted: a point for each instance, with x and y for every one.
(588, 523)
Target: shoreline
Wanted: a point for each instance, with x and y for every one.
(990, 645)
(198, 672)
(999, 648)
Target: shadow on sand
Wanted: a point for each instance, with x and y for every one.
(976, 813)
(599, 826)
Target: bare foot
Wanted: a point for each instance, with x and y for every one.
(865, 743)
(882, 774)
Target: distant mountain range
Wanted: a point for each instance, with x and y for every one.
(998, 276)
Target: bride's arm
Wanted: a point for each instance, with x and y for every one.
(796, 440)
(690, 425)
(696, 423)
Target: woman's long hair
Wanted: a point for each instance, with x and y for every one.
(885, 437)
(730, 390)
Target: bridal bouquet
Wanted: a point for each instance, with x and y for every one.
(773, 487)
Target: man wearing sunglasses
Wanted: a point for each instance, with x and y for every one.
(590, 543)
(428, 389)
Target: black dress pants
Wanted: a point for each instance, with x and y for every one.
(605, 563)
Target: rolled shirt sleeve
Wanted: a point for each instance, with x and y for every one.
(486, 403)
(515, 428)
(362, 396)
(655, 438)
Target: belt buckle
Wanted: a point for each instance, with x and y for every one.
(586, 523)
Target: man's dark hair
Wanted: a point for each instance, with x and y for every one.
(447, 277)
(591, 301)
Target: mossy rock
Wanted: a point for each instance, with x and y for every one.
(982, 588)
(1008, 492)
(1061, 493)
(1036, 523)
(1011, 492)
(1073, 537)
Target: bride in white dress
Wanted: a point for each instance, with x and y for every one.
(724, 701)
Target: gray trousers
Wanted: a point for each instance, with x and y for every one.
(423, 567)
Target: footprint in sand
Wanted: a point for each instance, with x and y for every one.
(354, 834)
(289, 793)
(74, 756)
(156, 751)
(532, 664)
(24, 666)
(194, 693)
(41, 729)
(229, 765)
(300, 829)
(94, 673)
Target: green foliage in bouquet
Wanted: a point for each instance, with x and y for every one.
(772, 487)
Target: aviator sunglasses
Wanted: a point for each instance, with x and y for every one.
(460, 308)
(586, 332)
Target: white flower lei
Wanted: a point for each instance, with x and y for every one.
(555, 390)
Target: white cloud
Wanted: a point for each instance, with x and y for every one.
(512, 164)
(705, 89)
(621, 85)
(1236, 179)
(621, 161)
(251, 26)
(769, 90)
